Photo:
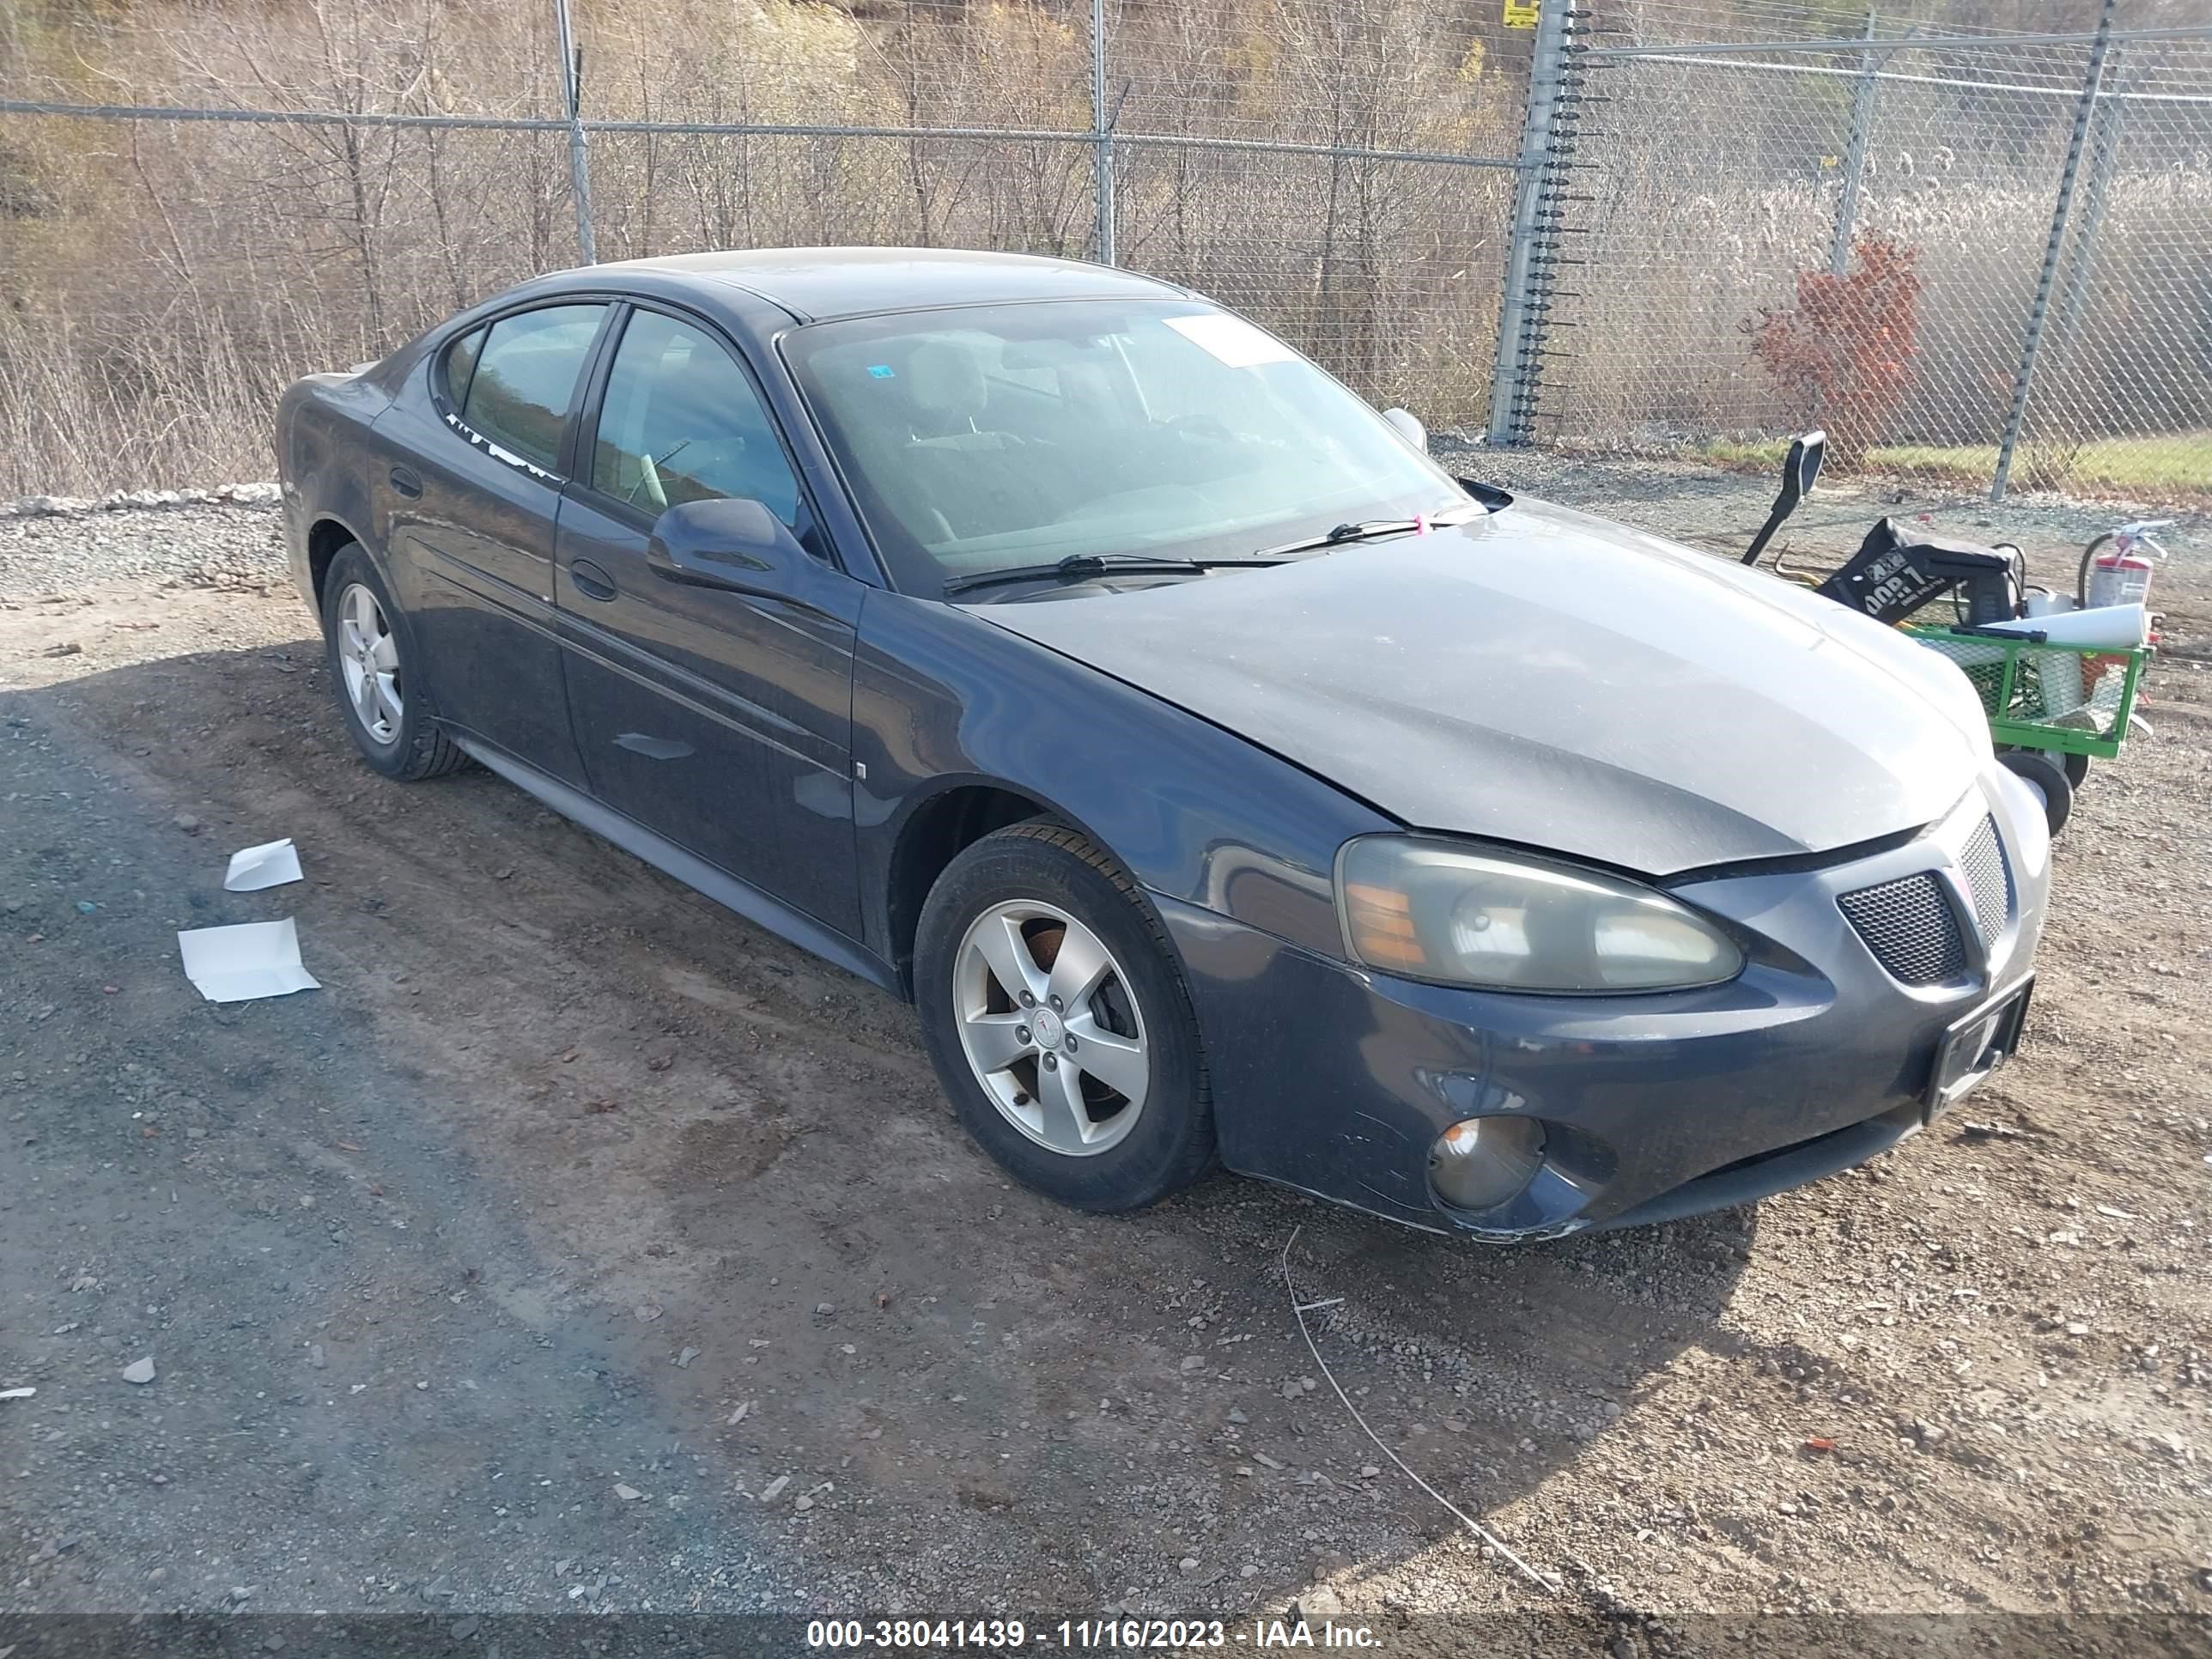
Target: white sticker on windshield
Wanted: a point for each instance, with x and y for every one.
(1232, 339)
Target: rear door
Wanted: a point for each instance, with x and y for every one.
(718, 721)
(474, 508)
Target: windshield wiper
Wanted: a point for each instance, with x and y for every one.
(1369, 529)
(1077, 566)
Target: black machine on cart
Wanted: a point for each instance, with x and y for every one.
(1895, 574)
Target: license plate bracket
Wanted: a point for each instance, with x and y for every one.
(1975, 1045)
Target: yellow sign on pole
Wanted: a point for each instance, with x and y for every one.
(1521, 13)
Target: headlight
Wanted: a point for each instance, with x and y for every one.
(1434, 910)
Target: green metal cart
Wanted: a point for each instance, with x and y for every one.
(2066, 699)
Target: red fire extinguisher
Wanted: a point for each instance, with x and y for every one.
(2120, 573)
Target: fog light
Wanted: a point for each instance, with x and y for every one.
(1482, 1162)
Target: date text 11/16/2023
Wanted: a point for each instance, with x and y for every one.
(1084, 1635)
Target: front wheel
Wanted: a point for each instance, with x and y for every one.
(1055, 1015)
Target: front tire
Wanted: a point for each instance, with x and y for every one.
(384, 696)
(2047, 778)
(1055, 1014)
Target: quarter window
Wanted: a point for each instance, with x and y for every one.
(523, 378)
(682, 422)
(461, 366)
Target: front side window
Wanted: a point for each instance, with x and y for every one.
(681, 422)
(524, 374)
(995, 437)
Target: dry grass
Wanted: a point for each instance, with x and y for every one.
(2165, 467)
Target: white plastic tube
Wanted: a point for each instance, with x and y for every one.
(2113, 626)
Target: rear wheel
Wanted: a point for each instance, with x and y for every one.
(2047, 778)
(1055, 1015)
(386, 701)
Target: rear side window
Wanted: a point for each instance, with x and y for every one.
(523, 377)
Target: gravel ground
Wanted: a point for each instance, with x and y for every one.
(45, 555)
(532, 1266)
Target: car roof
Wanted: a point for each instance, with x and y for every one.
(818, 284)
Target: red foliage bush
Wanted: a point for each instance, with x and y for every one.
(1843, 352)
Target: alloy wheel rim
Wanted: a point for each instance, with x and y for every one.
(1051, 1028)
(368, 658)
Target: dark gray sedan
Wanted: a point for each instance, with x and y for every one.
(1223, 781)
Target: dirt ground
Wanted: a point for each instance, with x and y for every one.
(579, 1249)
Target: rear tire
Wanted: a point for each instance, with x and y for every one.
(382, 692)
(1099, 1099)
(2047, 778)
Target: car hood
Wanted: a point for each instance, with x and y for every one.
(1542, 676)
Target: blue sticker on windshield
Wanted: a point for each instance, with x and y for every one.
(880, 371)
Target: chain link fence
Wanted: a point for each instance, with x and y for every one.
(1983, 256)
(1643, 226)
(208, 200)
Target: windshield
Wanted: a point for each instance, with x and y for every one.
(986, 438)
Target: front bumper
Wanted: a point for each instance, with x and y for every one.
(1337, 1081)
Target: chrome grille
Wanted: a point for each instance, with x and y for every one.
(1911, 927)
(1989, 879)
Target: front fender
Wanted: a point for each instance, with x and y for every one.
(941, 698)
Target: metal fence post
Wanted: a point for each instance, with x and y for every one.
(2092, 87)
(1855, 152)
(572, 93)
(2105, 142)
(1102, 137)
(1516, 364)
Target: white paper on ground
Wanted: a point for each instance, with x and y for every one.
(270, 864)
(253, 959)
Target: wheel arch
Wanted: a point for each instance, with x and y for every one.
(937, 829)
(327, 536)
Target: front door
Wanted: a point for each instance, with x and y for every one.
(718, 721)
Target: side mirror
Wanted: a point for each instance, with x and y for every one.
(1409, 428)
(1799, 467)
(733, 543)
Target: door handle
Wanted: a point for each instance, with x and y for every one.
(406, 483)
(592, 582)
